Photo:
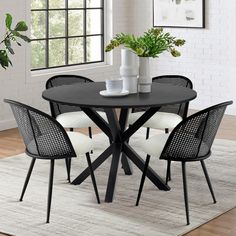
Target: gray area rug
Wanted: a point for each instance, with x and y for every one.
(74, 208)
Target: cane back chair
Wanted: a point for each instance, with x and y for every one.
(191, 140)
(45, 138)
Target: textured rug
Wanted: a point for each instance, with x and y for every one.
(75, 211)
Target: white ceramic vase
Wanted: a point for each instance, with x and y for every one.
(145, 80)
(129, 70)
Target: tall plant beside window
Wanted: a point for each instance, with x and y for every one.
(12, 36)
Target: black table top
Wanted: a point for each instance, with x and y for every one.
(87, 95)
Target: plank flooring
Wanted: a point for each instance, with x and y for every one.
(11, 144)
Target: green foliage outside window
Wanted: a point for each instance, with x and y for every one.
(52, 45)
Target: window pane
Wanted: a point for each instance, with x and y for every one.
(94, 48)
(56, 23)
(38, 4)
(38, 25)
(94, 3)
(76, 51)
(93, 21)
(56, 3)
(75, 3)
(51, 33)
(75, 22)
(56, 52)
(38, 54)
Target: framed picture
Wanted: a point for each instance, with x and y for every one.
(179, 13)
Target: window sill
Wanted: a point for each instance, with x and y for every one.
(45, 74)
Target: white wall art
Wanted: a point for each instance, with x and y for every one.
(179, 13)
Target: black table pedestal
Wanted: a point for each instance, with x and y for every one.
(87, 97)
(119, 148)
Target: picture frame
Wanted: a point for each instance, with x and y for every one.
(179, 13)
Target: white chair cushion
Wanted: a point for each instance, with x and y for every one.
(159, 120)
(77, 119)
(81, 143)
(154, 145)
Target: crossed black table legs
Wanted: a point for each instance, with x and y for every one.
(119, 147)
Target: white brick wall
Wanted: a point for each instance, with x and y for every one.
(208, 58)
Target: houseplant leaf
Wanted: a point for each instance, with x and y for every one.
(151, 44)
(24, 37)
(8, 21)
(11, 37)
(17, 34)
(4, 59)
(8, 45)
(21, 26)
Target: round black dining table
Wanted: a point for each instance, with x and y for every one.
(87, 97)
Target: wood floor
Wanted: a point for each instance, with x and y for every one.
(11, 144)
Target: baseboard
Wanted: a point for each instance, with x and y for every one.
(7, 124)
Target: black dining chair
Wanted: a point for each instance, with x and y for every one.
(168, 116)
(46, 139)
(191, 140)
(70, 116)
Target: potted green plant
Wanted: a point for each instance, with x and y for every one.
(151, 44)
(12, 35)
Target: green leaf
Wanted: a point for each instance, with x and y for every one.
(17, 34)
(151, 44)
(8, 45)
(21, 26)
(175, 53)
(8, 21)
(25, 38)
(4, 60)
(179, 42)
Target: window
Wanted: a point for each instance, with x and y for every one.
(66, 32)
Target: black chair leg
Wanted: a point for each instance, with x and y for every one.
(169, 176)
(50, 189)
(27, 178)
(71, 129)
(147, 133)
(185, 192)
(68, 168)
(69, 161)
(208, 181)
(90, 135)
(93, 177)
(90, 132)
(169, 179)
(143, 179)
(168, 172)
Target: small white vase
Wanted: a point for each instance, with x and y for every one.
(145, 80)
(129, 70)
